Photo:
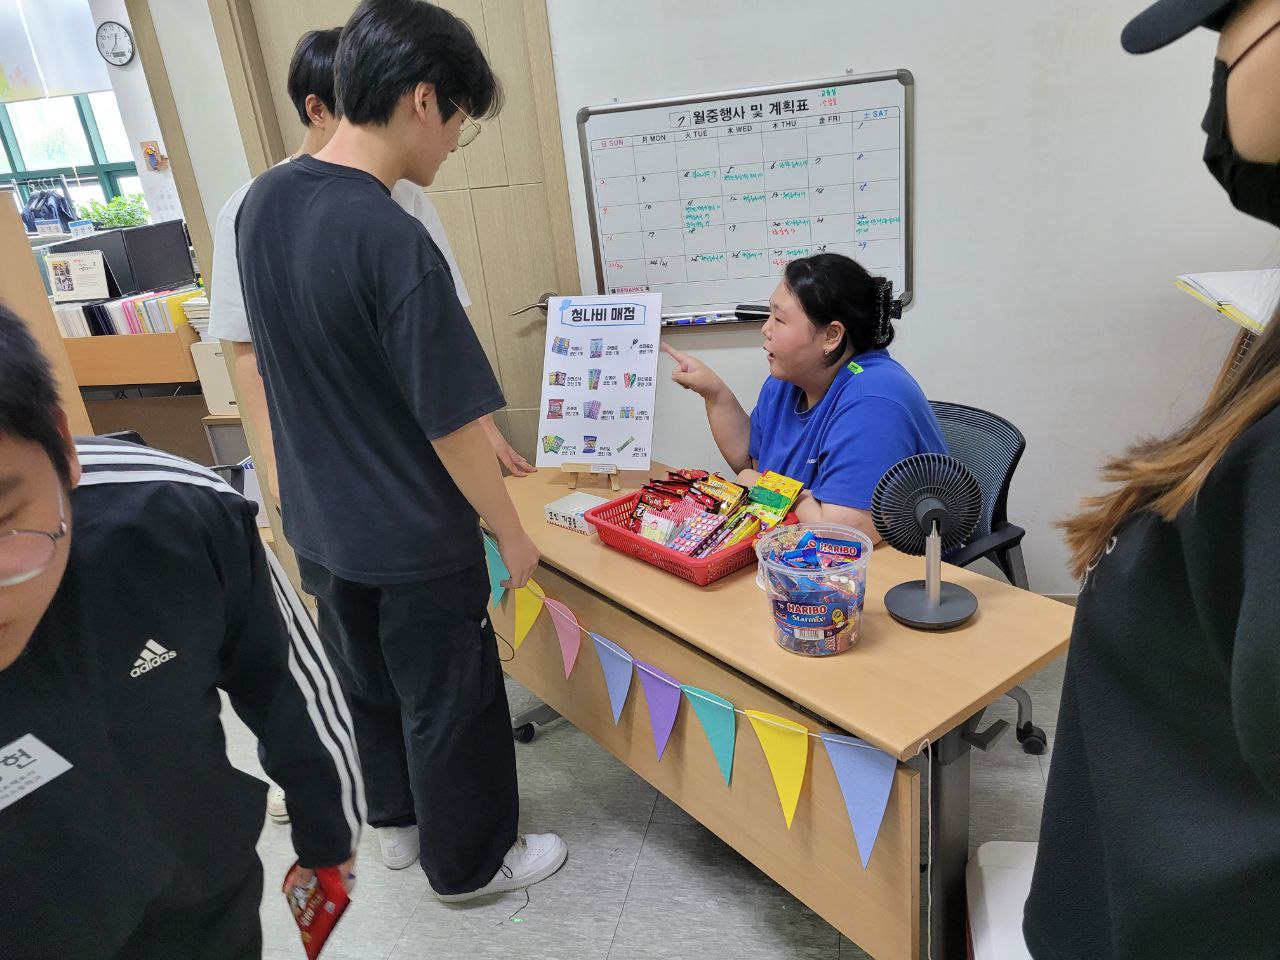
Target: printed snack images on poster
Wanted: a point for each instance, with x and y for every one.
(600, 369)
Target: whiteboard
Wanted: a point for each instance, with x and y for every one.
(705, 199)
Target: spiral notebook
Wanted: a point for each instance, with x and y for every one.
(1248, 297)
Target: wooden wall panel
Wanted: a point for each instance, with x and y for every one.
(484, 159)
(555, 174)
(280, 24)
(249, 82)
(509, 223)
(509, 54)
(522, 431)
(459, 222)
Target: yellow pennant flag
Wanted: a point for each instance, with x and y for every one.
(528, 606)
(786, 747)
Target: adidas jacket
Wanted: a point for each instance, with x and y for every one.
(168, 596)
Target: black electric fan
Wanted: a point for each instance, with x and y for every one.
(924, 505)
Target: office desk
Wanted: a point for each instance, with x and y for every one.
(899, 689)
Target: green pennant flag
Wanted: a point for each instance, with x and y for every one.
(718, 722)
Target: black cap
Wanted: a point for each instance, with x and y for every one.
(1167, 20)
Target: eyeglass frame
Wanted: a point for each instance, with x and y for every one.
(54, 537)
(471, 125)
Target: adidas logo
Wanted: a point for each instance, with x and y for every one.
(152, 656)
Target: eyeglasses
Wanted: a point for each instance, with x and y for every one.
(25, 554)
(470, 129)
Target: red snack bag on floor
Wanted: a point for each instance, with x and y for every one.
(316, 905)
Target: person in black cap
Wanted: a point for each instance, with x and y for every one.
(1161, 829)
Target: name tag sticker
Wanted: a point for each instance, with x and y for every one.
(27, 765)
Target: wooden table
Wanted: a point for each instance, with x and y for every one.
(899, 689)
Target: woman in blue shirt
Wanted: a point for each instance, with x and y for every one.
(836, 411)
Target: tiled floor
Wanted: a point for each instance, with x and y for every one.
(643, 882)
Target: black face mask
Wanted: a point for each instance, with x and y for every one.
(1254, 188)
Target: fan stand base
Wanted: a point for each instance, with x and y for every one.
(909, 603)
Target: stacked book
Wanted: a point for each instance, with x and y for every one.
(157, 311)
(197, 311)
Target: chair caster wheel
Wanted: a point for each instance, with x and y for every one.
(1033, 739)
(526, 732)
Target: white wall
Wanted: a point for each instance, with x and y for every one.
(129, 84)
(199, 85)
(1058, 189)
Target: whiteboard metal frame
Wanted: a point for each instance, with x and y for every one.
(902, 75)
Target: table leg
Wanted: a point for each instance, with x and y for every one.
(949, 824)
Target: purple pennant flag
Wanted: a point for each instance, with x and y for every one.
(616, 663)
(662, 692)
(866, 777)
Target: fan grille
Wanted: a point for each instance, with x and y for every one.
(908, 483)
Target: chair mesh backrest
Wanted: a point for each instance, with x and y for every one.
(990, 447)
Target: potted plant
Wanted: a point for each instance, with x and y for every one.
(130, 211)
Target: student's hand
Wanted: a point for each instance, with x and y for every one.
(301, 876)
(693, 374)
(520, 557)
(516, 465)
(507, 455)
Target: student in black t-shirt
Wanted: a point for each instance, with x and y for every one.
(376, 385)
(133, 587)
(1161, 830)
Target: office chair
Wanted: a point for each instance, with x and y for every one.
(233, 473)
(129, 436)
(991, 447)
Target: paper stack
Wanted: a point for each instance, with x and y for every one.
(197, 311)
(1248, 297)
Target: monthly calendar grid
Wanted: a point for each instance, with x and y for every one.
(739, 200)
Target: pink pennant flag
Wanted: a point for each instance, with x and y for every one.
(662, 692)
(567, 630)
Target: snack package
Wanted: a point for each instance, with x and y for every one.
(316, 905)
(632, 522)
(695, 531)
(656, 527)
(748, 528)
(730, 494)
(768, 517)
(776, 492)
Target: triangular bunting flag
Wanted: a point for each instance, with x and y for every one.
(568, 631)
(719, 722)
(528, 606)
(662, 693)
(786, 747)
(617, 672)
(497, 572)
(866, 777)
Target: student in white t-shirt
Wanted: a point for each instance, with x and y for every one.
(311, 89)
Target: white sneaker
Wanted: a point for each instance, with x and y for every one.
(277, 810)
(399, 846)
(533, 857)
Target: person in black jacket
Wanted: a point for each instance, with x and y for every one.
(1161, 829)
(134, 586)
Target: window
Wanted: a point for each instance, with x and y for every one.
(83, 191)
(49, 133)
(81, 138)
(106, 112)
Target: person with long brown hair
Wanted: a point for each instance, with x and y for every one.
(1161, 829)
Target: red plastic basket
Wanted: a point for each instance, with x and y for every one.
(608, 519)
